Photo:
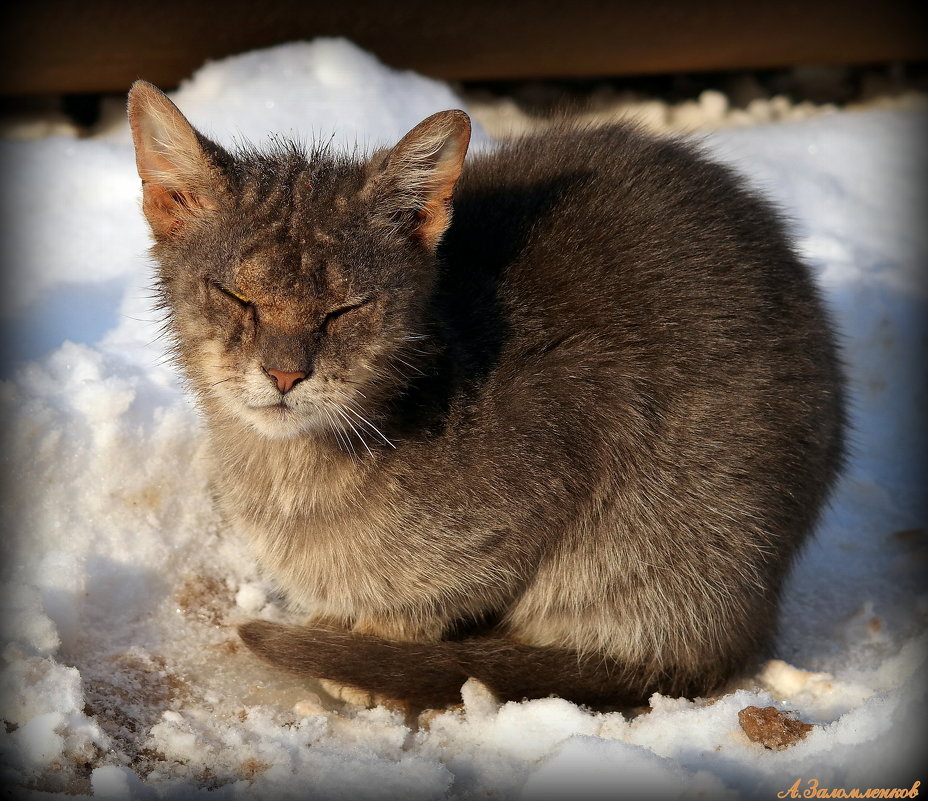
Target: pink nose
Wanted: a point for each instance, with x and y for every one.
(285, 381)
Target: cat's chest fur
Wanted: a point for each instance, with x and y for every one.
(342, 536)
(306, 512)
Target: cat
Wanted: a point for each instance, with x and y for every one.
(558, 418)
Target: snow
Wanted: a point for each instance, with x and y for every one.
(121, 675)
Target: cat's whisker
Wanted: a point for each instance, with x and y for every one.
(354, 385)
(343, 443)
(410, 366)
(221, 381)
(348, 407)
(136, 319)
(335, 429)
(409, 349)
(394, 375)
(338, 410)
(358, 433)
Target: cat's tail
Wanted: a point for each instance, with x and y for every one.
(431, 674)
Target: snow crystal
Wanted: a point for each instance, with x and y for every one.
(251, 597)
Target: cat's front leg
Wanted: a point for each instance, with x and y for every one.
(325, 620)
(401, 628)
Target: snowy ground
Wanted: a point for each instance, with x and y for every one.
(122, 677)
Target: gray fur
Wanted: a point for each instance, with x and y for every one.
(569, 444)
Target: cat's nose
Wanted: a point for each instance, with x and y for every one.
(285, 381)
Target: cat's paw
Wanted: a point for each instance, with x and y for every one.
(362, 698)
(348, 694)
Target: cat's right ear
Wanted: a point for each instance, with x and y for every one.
(177, 177)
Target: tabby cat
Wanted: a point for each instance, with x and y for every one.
(558, 418)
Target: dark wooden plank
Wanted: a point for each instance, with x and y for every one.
(58, 46)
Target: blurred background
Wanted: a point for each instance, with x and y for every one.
(674, 65)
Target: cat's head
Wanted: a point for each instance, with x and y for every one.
(295, 284)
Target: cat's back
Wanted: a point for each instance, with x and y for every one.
(635, 281)
(615, 231)
(615, 204)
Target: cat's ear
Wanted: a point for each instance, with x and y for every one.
(416, 178)
(177, 177)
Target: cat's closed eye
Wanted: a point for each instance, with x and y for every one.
(339, 313)
(231, 293)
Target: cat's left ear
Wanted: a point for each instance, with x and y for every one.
(416, 180)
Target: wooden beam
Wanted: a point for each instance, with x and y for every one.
(51, 46)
